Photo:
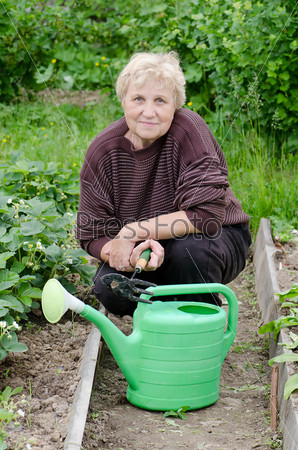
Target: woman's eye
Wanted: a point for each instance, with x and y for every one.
(160, 100)
(138, 99)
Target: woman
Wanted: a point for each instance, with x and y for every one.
(157, 178)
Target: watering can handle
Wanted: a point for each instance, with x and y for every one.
(206, 288)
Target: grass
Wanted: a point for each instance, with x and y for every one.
(264, 183)
(44, 131)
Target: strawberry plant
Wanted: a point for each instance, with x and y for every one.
(36, 241)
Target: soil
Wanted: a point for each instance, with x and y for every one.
(286, 265)
(48, 373)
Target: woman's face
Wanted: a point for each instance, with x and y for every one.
(149, 111)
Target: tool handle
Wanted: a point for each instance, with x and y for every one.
(143, 260)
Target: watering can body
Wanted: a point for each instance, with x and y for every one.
(174, 355)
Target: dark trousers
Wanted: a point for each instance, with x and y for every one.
(189, 259)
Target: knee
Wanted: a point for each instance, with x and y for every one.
(188, 253)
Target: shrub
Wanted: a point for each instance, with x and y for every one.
(238, 57)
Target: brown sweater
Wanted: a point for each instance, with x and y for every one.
(183, 170)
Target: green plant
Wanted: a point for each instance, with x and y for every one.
(8, 413)
(238, 57)
(36, 240)
(282, 230)
(8, 338)
(275, 326)
(290, 320)
(29, 404)
(261, 181)
(179, 413)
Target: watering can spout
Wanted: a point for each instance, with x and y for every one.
(56, 300)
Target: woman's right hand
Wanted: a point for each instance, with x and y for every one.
(119, 254)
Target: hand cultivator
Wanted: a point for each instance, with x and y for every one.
(130, 288)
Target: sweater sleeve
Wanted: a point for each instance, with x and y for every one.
(201, 193)
(96, 223)
(202, 184)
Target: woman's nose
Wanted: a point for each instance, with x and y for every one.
(149, 110)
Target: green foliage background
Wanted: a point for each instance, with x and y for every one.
(238, 56)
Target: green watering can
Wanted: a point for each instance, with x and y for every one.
(173, 356)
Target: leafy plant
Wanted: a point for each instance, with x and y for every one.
(292, 383)
(180, 413)
(8, 338)
(284, 322)
(281, 228)
(36, 240)
(238, 57)
(8, 412)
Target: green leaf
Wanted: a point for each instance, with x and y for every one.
(11, 302)
(30, 292)
(26, 300)
(43, 76)
(17, 390)
(31, 227)
(4, 257)
(179, 413)
(39, 208)
(8, 279)
(276, 325)
(3, 353)
(2, 231)
(6, 415)
(291, 304)
(54, 252)
(3, 311)
(291, 385)
(3, 204)
(290, 293)
(10, 343)
(17, 347)
(171, 412)
(283, 358)
(17, 267)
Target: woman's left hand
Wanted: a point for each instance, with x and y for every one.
(156, 256)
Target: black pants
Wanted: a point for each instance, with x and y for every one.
(189, 259)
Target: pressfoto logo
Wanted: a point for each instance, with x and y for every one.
(89, 228)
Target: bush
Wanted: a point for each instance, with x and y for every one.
(238, 57)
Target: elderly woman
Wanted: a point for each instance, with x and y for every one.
(158, 178)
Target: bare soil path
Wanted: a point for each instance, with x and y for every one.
(239, 419)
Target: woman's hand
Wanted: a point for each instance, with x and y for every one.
(120, 252)
(156, 256)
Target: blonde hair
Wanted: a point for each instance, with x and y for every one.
(164, 67)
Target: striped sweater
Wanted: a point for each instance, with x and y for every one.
(183, 170)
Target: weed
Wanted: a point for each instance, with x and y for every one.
(288, 299)
(275, 442)
(29, 404)
(179, 413)
(8, 411)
